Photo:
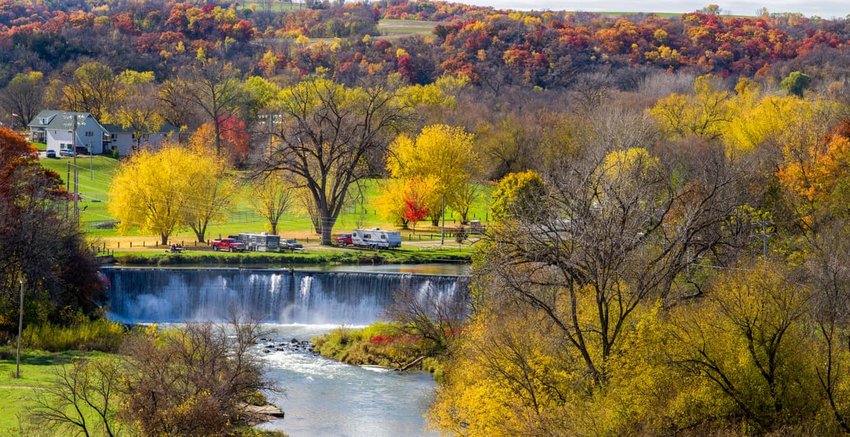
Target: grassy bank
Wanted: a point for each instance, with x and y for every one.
(309, 256)
(38, 368)
(379, 344)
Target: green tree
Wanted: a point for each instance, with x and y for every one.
(796, 83)
(23, 97)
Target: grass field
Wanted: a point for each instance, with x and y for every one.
(96, 173)
(17, 396)
(391, 28)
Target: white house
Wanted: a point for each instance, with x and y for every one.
(54, 128)
(125, 140)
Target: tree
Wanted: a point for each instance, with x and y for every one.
(445, 154)
(83, 399)
(518, 195)
(211, 194)
(747, 341)
(139, 108)
(326, 134)
(165, 190)
(271, 197)
(796, 83)
(93, 89)
(23, 97)
(407, 200)
(209, 85)
(40, 244)
(705, 113)
(192, 381)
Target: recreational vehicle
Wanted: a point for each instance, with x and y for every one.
(260, 242)
(376, 238)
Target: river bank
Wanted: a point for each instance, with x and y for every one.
(311, 255)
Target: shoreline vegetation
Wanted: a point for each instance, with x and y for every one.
(334, 256)
(384, 344)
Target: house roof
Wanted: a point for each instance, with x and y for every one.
(61, 120)
(46, 115)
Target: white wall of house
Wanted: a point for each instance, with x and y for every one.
(89, 135)
(125, 142)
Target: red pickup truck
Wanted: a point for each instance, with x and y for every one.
(228, 244)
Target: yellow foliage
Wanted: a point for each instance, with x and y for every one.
(705, 113)
(169, 189)
(444, 153)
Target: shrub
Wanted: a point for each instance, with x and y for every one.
(100, 335)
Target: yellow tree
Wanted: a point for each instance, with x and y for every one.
(271, 197)
(149, 191)
(166, 190)
(407, 200)
(211, 195)
(444, 153)
(705, 113)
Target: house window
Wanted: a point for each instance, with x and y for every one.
(89, 134)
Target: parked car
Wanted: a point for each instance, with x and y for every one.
(82, 150)
(66, 153)
(228, 244)
(50, 153)
(290, 245)
(344, 240)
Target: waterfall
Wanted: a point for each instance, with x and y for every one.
(274, 296)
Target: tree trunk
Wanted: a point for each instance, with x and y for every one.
(327, 228)
(273, 224)
(200, 230)
(164, 239)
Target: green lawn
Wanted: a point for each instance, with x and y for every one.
(393, 28)
(17, 396)
(96, 173)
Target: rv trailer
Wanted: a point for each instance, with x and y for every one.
(376, 238)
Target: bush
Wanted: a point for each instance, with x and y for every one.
(100, 335)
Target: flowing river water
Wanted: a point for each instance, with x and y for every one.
(320, 397)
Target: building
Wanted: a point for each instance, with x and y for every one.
(54, 128)
(125, 140)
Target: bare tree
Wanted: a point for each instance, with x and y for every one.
(611, 234)
(208, 84)
(435, 316)
(23, 97)
(326, 135)
(82, 400)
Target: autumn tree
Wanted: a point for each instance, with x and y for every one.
(93, 89)
(139, 108)
(165, 190)
(23, 97)
(271, 197)
(445, 154)
(705, 113)
(407, 200)
(326, 133)
(209, 85)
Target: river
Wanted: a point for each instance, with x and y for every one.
(320, 397)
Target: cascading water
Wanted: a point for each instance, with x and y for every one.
(273, 296)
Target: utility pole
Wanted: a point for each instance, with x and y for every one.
(67, 187)
(443, 228)
(764, 236)
(76, 173)
(20, 332)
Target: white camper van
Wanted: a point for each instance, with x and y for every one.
(376, 238)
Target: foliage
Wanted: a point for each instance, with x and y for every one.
(517, 195)
(796, 83)
(271, 197)
(442, 154)
(85, 335)
(41, 247)
(165, 190)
